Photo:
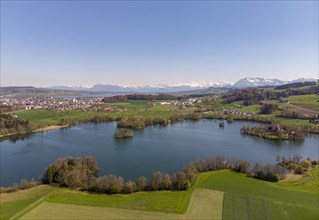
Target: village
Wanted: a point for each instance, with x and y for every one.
(183, 103)
(60, 104)
(52, 103)
(81, 103)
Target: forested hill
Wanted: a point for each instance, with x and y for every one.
(30, 91)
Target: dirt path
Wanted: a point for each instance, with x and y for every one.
(304, 109)
(292, 177)
(32, 205)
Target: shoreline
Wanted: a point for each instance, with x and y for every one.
(249, 119)
(51, 127)
(48, 128)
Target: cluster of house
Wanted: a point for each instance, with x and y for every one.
(274, 127)
(56, 104)
(314, 120)
(190, 102)
(232, 112)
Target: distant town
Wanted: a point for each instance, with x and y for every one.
(51, 103)
(80, 103)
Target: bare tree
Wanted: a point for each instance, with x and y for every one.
(141, 183)
(157, 181)
(180, 181)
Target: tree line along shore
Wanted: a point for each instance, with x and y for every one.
(11, 125)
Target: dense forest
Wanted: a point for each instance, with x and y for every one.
(113, 99)
(151, 97)
(148, 97)
(295, 85)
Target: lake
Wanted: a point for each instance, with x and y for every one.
(167, 149)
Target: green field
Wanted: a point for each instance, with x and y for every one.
(164, 201)
(304, 99)
(13, 203)
(248, 198)
(205, 204)
(306, 104)
(48, 210)
(219, 194)
(43, 118)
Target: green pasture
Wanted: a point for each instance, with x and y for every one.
(48, 210)
(205, 204)
(233, 105)
(280, 105)
(132, 104)
(312, 99)
(248, 198)
(13, 203)
(294, 122)
(163, 201)
(164, 108)
(250, 108)
(39, 117)
(43, 118)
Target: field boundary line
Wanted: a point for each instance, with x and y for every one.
(304, 109)
(248, 208)
(265, 209)
(233, 206)
(29, 207)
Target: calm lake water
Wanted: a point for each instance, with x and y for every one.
(167, 149)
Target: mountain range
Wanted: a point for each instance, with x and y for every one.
(245, 82)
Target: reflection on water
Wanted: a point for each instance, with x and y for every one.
(167, 149)
(16, 137)
(35, 148)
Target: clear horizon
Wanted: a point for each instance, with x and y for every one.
(151, 43)
(154, 85)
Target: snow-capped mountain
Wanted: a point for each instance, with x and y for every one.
(178, 87)
(302, 80)
(70, 88)
(257, 81)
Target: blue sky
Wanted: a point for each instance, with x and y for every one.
(138, 42)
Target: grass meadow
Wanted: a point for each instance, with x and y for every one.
(249, 198)
(143, 109)
(312, 99)
(48, 210)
